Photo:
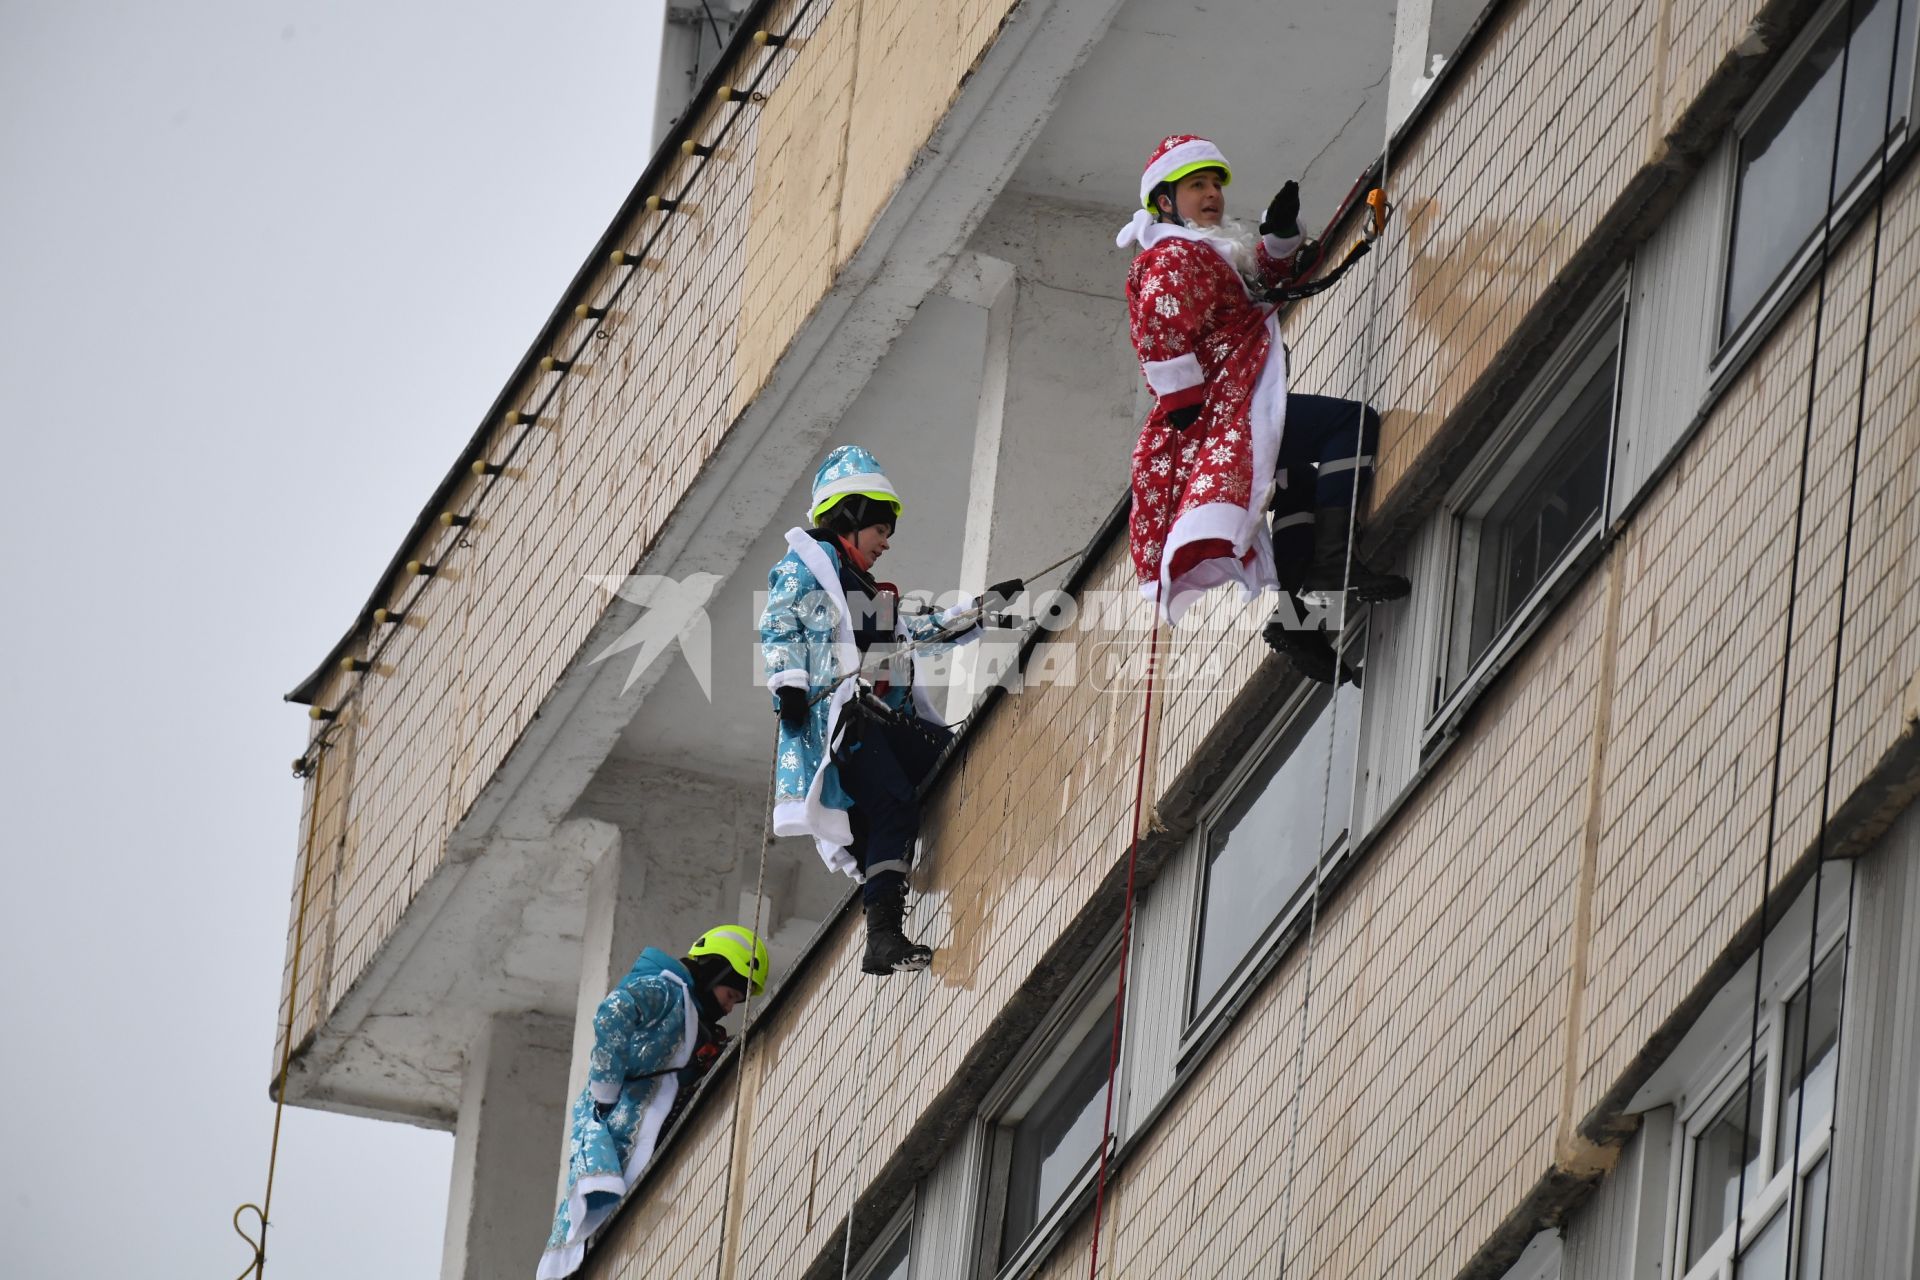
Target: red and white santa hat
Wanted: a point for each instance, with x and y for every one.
(1175, 158)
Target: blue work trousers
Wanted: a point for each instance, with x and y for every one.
(882, 772)
(1319, 466)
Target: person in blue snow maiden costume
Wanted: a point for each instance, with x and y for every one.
(848, 763)
(660, 1022)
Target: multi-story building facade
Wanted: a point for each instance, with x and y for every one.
(1576, 943)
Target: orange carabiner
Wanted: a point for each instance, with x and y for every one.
(1377, 202)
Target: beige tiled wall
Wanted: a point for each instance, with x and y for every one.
(1444, 1081)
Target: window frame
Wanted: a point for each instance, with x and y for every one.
(1729, 351)
(1774, 1193)
(899, 1226)
(1526, 427)
(1296, 716)
(1026, 1078)
(1706, 1068)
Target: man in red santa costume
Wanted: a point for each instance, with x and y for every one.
(1224, 433)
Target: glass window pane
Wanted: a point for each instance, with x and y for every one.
(1718, 1154)
(1059, 1136)
(1822, 1058)
(1262, 851)
(1545, 509)
(1781, 171)
(1813, 1222)
(892, 1264)
(1764, 1256)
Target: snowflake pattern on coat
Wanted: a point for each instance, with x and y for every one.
(1185, 299)
(806, 642)
(642, 1032)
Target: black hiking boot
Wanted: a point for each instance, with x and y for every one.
(889, 950)
(1332, 569)
(1310, 652)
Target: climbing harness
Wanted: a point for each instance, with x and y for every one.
(1792, 1209)
(963, 621)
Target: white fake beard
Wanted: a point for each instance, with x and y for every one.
(1241, 243)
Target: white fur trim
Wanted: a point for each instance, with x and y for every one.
(558, 1264)
(828, 826)
(1279, 247)
(1177, 374)
(1240, 526)
(1192, 151)
(866, 482)
(791, 678)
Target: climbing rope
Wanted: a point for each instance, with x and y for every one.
(1840, 625)
(746, 1007)
(261, 1211)
(860, 1141)
(1126, 931)
(1377, 220)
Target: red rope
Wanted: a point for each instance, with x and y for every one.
(1126, 930)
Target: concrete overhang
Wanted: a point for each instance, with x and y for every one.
(1065, 106)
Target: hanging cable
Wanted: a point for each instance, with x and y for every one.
(1786, 661)
(860, 1141)
(1377, 220)
(1839, 637)
(746, 1010)
(1126, 930)
(257, 1268)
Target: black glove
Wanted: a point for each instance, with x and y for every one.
(1002, 593)
(1283, 215)
(1184, 417)
(795, 707)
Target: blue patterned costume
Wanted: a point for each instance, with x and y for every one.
(643, 1032)
(807, 642)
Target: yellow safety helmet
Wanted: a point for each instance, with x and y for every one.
(740, 948)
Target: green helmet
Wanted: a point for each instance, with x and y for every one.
(740, 948)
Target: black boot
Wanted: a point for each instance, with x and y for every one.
(889, 950)
(1311, 654)
(1332, 570)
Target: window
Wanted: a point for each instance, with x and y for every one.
(1534, 502)
(1258, 854)
(891, 1256)
(1760, 1129)
(1782, 155)
(1045, 1130)
(1768, 1135)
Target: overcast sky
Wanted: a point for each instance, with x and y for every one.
(263, 266)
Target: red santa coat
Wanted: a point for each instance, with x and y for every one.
(1200, 495)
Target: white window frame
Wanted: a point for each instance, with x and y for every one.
(1731, 353)
(1709, 1064)
(900, 1225)
(1529, 427)
(1027, 1077)
(1198, 1025)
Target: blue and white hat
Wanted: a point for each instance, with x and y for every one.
(851, 470)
